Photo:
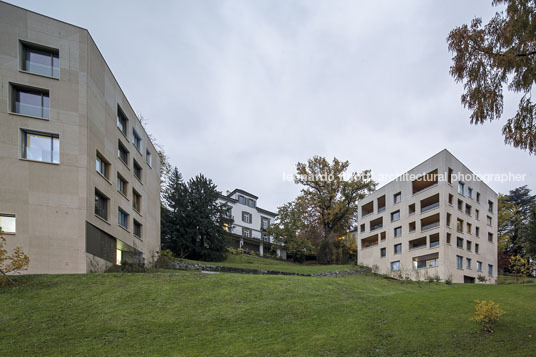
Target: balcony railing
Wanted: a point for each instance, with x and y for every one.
(430, 226)
(377, 226)
(430, 207)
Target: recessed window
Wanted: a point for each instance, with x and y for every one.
(40, 60)
(122, 185)
(137, 170)
(246, 232)
(459, 262)
(490, 206)
(363, 227)
(478, 197)
(122, 153)
(449, 216)
(383, 252)
(148, 158)
(137, 229)
(246, 217)
(460, 205)
(398, 231)
(459, 243)
(397, 197)
(122, 218)
(477, 214)
(398, 248)
(122, 121)
(461, 188)
(470, 192)
(488, 219)
(395, 266)
(448, 238)
(468, 263)
(459, 225)
(490, 270)
(490, 237)
(101, 205)
(449, 175)
(30, 101)
(468, 245)
(241, 200)
(450, 198)
(136, 200)
(469, 228)
(468, 209)
(136, 139)
(395, 216)
(102, 166)
(479, 266)
(477, 231)
(251, 203)
(477, 246)
(8, 223)
(41, 147)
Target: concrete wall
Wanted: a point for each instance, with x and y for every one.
(53, 201)
(371, 256)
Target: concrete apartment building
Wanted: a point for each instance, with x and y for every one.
(79, 185)
(432, 221)
(247, 223)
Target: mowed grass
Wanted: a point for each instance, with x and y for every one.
(253, 262)
(193, 314)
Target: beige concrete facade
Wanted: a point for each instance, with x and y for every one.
(54, 202)
(421, 225)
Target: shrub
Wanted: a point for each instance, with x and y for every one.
(487, 314)
(13, 263)
(437, 279)
(481, 278)
(448, 280)
(165, 257)
(128, 268)
(431, 279)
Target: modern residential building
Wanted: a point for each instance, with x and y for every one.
(435, 220)
(247, 223)
(79, 185)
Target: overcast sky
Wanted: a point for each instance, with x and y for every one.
(242, 90)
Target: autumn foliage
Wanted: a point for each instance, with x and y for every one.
(487, 314)
(15, 262)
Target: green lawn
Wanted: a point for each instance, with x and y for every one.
(253, 262)
(189, 314)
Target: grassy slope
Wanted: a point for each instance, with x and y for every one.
(189, 313)
(252, 262)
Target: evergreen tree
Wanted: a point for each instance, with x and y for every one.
(191, 218)
(204, 234)
(522, 201)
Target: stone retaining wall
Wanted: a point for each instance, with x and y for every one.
(226, 269)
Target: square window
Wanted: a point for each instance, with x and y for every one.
(395, 216)
(122, 185)
(122, 152)
(122, 121)
(40, 60)
(30, 101)
(459, 262)
(398, 231)
(251, 203)
(8, 223)
(137, 229)
(136, 139)
(398, 248)
(395, 266)
(459, 242)
(122, 218)
(461, 188)
(101, 205)
(397, 197)
(41, 147)
(136, 200)
(102, 166)
(137, 170)
(241, 200)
